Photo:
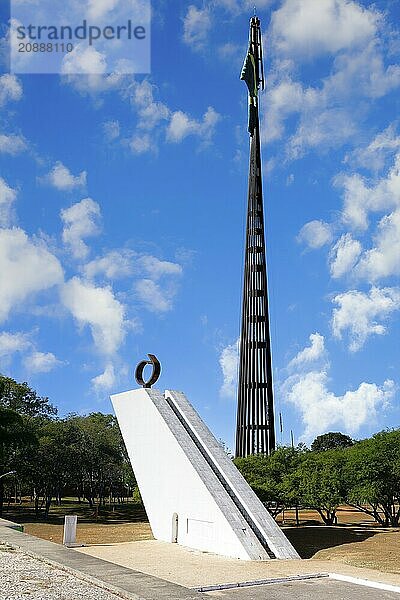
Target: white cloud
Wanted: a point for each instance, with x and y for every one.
(362, 73)
(310, 354)
(315, 116)
(83, 60)
(156, 268)
(106, 380)
(361, 198)
(61, 178)
(98, 9)
(196, 26)
(321, 129)
(181, 125)
(153, 117)
(122, 263)
(374, 155)
(315, 234)
(141, 143)
(10, 89)
(344, 255)
(34, 361)
(361, 315)
(111, 130)
(318, 109)
(12, 144)
(323, 115)
(115, 264)
(309, 28)
(383, 260)
(26, 267)
(155, 297)
(10, 343)
(198, 22)
(231, 52)
(98, 308)
(322, 410)
(229, 360)
(41, 362)
(150, 112)
(95, 84)
(7, 198)
(284, 98)
(80, 221)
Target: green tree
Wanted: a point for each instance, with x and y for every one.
(269, 477)
(16, 438)
(103, 467)
(373, 475)
(82, 454)
(320, 481)
(23, 399)
(331, 441)
(54, 463)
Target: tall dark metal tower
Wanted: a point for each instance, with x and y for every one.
(255, 430)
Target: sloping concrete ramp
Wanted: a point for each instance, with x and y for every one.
(192, 491)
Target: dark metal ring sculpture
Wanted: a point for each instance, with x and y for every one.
(155, 374)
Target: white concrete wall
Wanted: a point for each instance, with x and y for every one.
(175, 458)
(168, 482)
(267, 526)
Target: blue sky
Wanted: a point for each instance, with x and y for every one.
(122, 213)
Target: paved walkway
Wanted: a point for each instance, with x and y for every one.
(114, 578)
(315, 589)
(168, 571)
(194, 569)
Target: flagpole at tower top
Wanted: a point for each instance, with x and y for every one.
(255, 430)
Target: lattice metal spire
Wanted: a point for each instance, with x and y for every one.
(255, 430)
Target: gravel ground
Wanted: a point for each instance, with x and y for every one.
(23, 578)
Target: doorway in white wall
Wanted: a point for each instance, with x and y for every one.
(175, 528)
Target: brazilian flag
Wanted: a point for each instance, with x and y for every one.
(249, 75)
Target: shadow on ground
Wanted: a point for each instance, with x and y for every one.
(119, 513)
(309, 540)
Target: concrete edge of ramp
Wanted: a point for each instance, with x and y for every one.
(277, 580)
(122, 581)
(230, 586)
(366, 582)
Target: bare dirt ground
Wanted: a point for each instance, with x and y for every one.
(93, 533)
(370, 548)
(357, 540)
(380, 552)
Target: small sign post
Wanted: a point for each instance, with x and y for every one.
(69, 538)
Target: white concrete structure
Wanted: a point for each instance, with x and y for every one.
(69, 537)
(192, 491)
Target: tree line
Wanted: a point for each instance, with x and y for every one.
(85, 457)
(336, 470)
(81, 456)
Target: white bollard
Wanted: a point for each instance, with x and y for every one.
(69, 538)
